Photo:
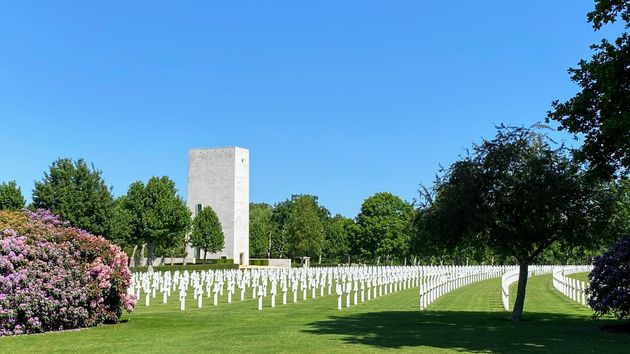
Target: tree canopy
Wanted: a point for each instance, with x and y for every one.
(119, 228)
(77, 193)
(305, 227)
(159, 217)
(298, 227)
(517, 196)
(621, 219)
(260, 229)
(11, 196)
(384, 227)
(340, 237)
(600, 112)
(207, 233)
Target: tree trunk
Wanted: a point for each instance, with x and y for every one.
(150, 251)
(137, 256)
(133, 256)
(320, 258)
(205, 253)
(517, 312)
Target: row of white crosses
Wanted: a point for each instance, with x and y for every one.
(570, 287)
(358, 283)
(438, 281)
(511, 276)
(351, 285)
(353, 282)
(348, 281)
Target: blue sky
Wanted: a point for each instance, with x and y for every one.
(340, 99)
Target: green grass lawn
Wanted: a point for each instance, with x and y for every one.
(469, 319)
(579, 276)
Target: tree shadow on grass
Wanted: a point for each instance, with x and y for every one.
(473, 332)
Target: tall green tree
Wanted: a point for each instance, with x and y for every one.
(279, 239)
(207, 233)
(118, 224)
(298, 227)
(77, 193)
(600, 112)
(518, 196)
(424, 244)
(11, 196)
(340, 235)
(384, 227)
(429, 248)
(159, 216)
(305, 228)
(260, 230)
(621, 219)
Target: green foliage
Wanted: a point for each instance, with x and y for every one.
(340, 235)
(279, 238)
(517, 196)
(260, 229)
(188, 267)
(207, 233)
(384, 227)
(259, 262)
(118, 224)
(215, 261)
(608, 11)
(176, 250)
(77, 193)
(600, 111)
(560, 255)
(159, 216)
(298, 227)
(304, 227)
(432, 248)
(621, 219)
(424, 243)
(11, 196)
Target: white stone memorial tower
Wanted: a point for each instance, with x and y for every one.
(219, 178)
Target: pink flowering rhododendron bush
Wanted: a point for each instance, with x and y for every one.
(55, 277)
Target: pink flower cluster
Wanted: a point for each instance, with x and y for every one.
(55, 277)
